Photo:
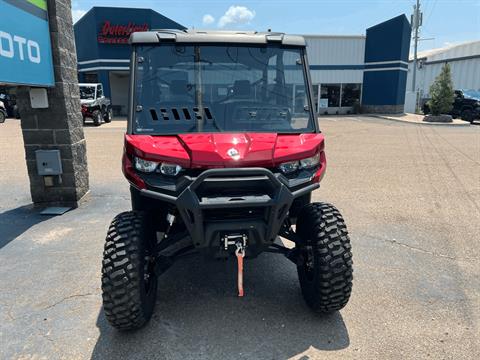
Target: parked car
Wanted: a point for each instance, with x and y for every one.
(95, 105)
(3, 112)
(466, 105)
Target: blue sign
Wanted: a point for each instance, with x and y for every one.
(25, 49)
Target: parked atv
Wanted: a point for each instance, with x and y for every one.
(3, 112)
(10, 105)
(222, 153)
(95, 105)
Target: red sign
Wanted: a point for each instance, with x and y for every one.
(118, 34)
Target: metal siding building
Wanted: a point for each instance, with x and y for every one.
(336, 59)
(346, 71)
(464, 60)
(369, 70)
(336, 62)
(103, 52)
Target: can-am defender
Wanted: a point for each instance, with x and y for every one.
(222, 153)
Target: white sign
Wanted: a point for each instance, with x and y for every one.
(323, 104)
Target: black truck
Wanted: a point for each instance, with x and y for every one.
(466, 105)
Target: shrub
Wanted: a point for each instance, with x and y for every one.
(441, 92)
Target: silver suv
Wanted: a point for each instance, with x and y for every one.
(94, 103)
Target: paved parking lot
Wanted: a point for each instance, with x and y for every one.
(411, 198)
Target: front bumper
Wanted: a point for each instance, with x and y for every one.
(218, 202)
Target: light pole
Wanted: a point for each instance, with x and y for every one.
(416, 21)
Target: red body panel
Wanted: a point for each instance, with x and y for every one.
(210, 150)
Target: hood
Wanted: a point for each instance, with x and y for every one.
(196, 150)
(86, 101)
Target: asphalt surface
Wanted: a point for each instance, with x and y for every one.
(410, 195)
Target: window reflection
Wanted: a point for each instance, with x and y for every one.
(350, 94)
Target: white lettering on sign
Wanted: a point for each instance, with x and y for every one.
(8, 50)
(35, 58)
(4, 51)
(20, 41)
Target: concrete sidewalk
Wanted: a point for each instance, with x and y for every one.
(418, 119)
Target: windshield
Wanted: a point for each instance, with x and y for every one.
(213, 88)
(87, 92)
(471, 94)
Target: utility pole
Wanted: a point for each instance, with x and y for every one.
(416, 21)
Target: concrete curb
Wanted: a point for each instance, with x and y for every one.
(391, 118)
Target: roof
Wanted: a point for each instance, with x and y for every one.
(199, 36)
(330, 36)
(451, 51)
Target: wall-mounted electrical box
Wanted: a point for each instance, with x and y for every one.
(38, 98)
(48, 162)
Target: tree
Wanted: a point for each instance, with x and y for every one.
(441, 92)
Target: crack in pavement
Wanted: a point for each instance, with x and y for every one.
(414, 248)
(67, 298)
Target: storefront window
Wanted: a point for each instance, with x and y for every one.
(332, 93)
(91, 78)
(350, 94)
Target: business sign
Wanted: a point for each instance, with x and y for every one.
(118, 33)
(25, 49)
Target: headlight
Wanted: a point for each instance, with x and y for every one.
(292, 166)
(170, 169)
(145, 166)
(289, 167)
(310, 162)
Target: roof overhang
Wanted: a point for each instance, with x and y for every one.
(196, 36)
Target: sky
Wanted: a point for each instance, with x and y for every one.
(445, 22)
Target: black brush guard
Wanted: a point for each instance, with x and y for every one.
(253, 201)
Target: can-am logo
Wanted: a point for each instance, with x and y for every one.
(118, 34)
(14, 46)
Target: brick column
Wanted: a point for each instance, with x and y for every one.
(60, 125)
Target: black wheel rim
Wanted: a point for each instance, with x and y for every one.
(308, 262)
(149, 277)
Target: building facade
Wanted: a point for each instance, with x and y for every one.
(103, 53)
(348, 72)
(464, 61)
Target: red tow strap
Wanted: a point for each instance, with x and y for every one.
(240, 256)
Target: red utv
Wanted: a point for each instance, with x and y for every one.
(222, 153)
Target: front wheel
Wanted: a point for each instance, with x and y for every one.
(97, 117)
(3, 116)
(325, 260)
(467, 115)
(129, 281)
(108, 115)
